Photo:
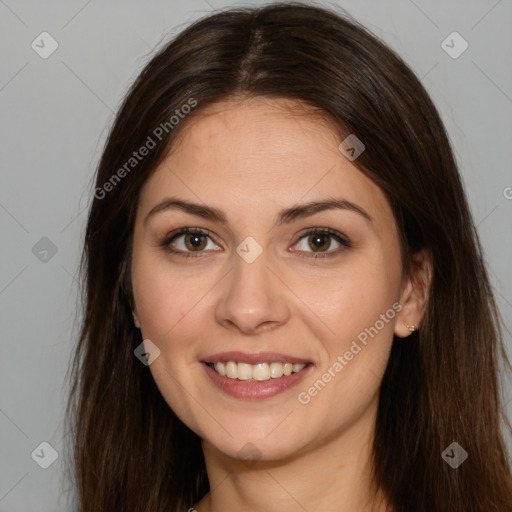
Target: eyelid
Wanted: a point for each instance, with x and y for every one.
(325, 230)
(343, 240)
(339, 237)
(170, 237)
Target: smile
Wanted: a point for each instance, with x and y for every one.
(259, 372)
(255, 376)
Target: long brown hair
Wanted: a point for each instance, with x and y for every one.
(131, 452)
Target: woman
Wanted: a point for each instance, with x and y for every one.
(286, 305)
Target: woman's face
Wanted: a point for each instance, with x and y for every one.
(252, 291)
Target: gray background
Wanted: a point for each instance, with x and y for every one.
(55, 113)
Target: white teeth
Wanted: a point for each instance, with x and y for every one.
(221, 368)
(259, 372)
(244, 371)
(287, 368)
(231, 370)
(276, 370)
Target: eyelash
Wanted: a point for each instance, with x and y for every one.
(343, 241)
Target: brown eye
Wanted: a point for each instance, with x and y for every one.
(187, 241)
(319, 241)
(195, 241)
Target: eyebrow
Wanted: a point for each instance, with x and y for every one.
(285, 216)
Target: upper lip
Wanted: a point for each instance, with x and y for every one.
(255, 358)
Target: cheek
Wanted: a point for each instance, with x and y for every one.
(359, 308)
(161, 297)
(168, 306)
(356, 297)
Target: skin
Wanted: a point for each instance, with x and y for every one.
(251, 159)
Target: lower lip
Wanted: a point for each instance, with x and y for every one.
(253, 389)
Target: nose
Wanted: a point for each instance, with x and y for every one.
(252, 298)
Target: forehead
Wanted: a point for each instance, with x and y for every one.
(259, 153)
(258, 127)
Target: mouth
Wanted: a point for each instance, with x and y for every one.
(259, 372)
(255, 376)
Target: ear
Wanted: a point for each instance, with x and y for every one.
(136, 317)
(414, 294)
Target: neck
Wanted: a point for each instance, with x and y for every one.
(335, 475)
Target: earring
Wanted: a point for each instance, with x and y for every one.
(411, 328)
